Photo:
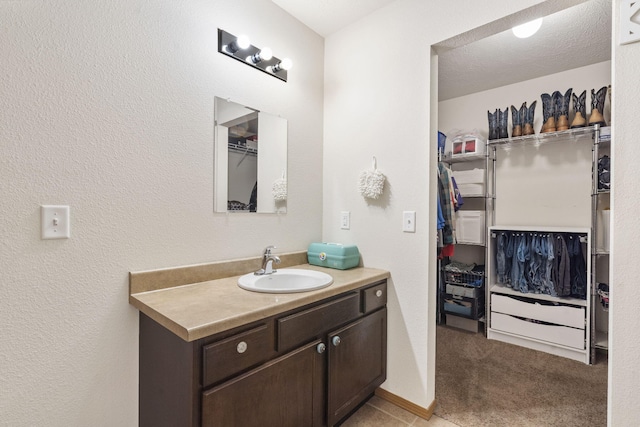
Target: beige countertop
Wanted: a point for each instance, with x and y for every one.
(194, 311)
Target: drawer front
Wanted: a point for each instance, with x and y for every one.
(558, 314)
(374, 297)
(231, 355)
(463, 291)
(555, 334)
(306, 325)
(472, 308)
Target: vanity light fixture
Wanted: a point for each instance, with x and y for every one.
(240, 48)
(527, 30)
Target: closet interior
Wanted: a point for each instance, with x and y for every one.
(529, 263)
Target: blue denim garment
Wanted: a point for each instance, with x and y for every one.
(561, 273)
(578, 268)
(549, 257)
(501, 258)
(535, 263)
(509, 251)
(523, 256)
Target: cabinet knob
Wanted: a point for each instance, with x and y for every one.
(335, 341)
(241, 347)
(379, 293)
(321, 348)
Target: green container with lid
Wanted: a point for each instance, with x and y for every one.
(333, 255)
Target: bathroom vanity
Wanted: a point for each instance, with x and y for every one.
(212, 354)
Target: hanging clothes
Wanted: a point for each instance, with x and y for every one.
(444, 194)
(561, 275)
(542, 263)
(457, 197)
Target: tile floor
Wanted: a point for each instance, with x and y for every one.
(378, 412)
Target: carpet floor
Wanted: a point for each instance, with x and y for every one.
(481, 382)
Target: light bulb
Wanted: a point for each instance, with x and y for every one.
(264, 55)
(243, 41)
(239, 43)
(285, 64)
(527, 30)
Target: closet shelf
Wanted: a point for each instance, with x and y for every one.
(543, 138)
(602, 340)
(242, 149)
(500, 289)
(463, 158)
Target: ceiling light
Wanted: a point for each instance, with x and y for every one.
(527, 30)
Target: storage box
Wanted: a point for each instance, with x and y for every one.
(470, 227)
(463, 291)
(467, 145)
(463, 323)
(471, 182)
(333, 255)
(471, 308)
(602, 237)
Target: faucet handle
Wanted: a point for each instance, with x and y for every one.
(267, 250)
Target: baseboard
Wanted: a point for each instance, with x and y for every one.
(425, 413)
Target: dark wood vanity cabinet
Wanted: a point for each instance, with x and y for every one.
(311, 366)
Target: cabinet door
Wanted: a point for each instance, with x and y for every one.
(285, 392)
(357, 363)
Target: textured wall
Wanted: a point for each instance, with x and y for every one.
(567, 165)
(377, 91)
(108, 107)
(624, 321)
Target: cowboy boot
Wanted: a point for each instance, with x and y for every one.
(548, 113)
(580, 119)
(517, 120)
(597, 107)
(528, 118)
(503, 122)
(493, 124)
(562, 111)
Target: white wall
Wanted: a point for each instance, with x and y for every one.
(624, 321)
(526, 173)
(108, 107)
(377, 103)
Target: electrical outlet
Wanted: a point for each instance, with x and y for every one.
(409, 221)
(345, 220)
(55, 222)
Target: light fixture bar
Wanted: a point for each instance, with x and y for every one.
(250, 55)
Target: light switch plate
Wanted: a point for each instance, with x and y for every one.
(409, 221)
(345, 220)
(55, 222)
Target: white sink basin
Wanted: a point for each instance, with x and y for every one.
(285, 281)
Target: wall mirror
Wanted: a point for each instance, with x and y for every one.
(250, 159)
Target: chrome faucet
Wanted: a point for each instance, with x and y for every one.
(267, 262)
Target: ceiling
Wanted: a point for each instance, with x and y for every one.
(572, 38)
(575, 37)
(328, 16)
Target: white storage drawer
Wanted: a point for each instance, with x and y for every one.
(471, 182)
(558, 314)
(473, 176)
(561, 335)
(470, 227)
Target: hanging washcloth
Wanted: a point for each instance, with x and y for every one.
(279, 189)
(371, 183)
